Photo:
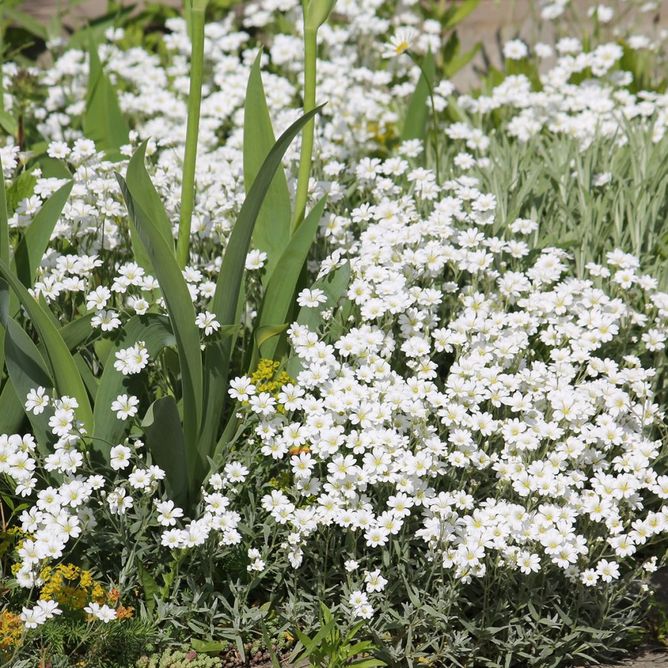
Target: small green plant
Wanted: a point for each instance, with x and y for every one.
(178, 658)
(334, 647)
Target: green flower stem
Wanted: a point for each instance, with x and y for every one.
(197, 20)
(310, 60)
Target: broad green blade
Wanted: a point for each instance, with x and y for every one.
(12, 412)
(166, 443)
(281, 286)
(8, 123)
(272, 229)
(76, 332)
(145, 196)
(30, 251)
(103, 121)
(61, 365)
(27, 370)
(415, 123)
(4, 252)
(182, 316)
(155, 332)
(229, 284)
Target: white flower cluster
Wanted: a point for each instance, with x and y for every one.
(473, 403)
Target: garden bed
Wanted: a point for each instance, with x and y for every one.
(310, 356)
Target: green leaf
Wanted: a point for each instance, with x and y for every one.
(27, 370)
(283, 281)
(166, 443)
(77, 331)
(208, 646)
(103, 121)
(61, 365)
(32, 247)
(334, 285)
(149, 585)
(268, 332)
(145, 196)
(53, 168)
(182, 316)
(12, 412)
(22, 186)
(458, 62)
(27, 22)
(8, 123)
(272, 229)
(4, 251)
(155, 332)
(415, 123)
(229, 284)
(460, 13)
(97, 27)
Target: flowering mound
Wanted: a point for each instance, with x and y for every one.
(416, 410)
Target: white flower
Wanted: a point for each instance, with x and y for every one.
(515, 49)
(125, 406)
(207, 321)
(119, 457)
(167, 513)
(102, 612)
(37, 401)
(255, 260)
(401, 42)
(131, 360)
(311, 298)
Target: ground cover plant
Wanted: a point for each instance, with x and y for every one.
(310, 356)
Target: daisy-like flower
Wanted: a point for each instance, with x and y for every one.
(207, 321)
(311, 298)
(102, 612)
(37, 401)
(120, 457)
(401, 42)
(131, 360)
(125, 406)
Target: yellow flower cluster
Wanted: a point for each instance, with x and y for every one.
(11, 632)
(72, 587)
(266, 379)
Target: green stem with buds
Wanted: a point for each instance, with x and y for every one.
(197, 20)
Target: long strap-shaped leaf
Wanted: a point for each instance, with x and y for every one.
(228, 285)
(103, 121)
(145, 195)
(182, 315)
(283, 281)
(61, 364)
(155, 332)
(30, 251)
(272, 229)
(4, 256)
